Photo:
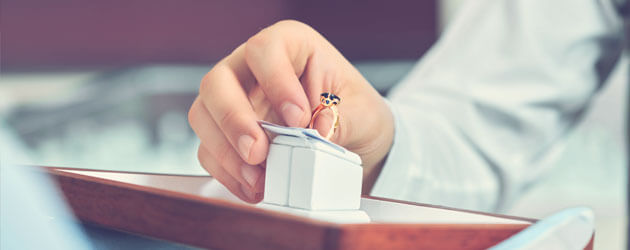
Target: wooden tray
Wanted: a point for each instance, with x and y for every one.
(194, 210)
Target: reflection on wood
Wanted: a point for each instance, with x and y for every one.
(187, 218)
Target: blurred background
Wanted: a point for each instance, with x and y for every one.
(107, 85)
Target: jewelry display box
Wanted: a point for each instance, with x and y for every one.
(311, 176)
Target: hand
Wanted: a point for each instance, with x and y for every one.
(278, 76)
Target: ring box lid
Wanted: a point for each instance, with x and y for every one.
(308, 138)
(317, 145)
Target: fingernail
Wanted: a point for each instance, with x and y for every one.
(292, 114)
(244, 144)
(249, 193)
(251, 174)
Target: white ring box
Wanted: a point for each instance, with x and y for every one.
(307, 172)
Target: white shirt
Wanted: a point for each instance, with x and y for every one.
(503, 85)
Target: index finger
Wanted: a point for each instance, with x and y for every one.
(223, 95)
(277, 71)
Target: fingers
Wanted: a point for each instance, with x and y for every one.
(223, 96)
(260, 76)
(219, 157)
(277, 72)
(219, 173)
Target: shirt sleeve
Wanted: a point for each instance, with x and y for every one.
(479, 114)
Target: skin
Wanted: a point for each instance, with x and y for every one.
(278, 76)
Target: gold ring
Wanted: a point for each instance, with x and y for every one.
(327, 100)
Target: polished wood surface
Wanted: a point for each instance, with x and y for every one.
(219, 224)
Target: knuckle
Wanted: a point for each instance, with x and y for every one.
(257, 43)
(210, 78)
(201, 154)
(193, 113)
(205, 158)
(215, 157)
(273, 35)
(222, 153)
(290, 23)
(206, 81)
(229, 119)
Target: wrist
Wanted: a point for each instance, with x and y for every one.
(375, 156)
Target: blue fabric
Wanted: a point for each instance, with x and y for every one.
(104, 238)
(32, 215)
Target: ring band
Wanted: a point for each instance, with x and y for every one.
(327, 100)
